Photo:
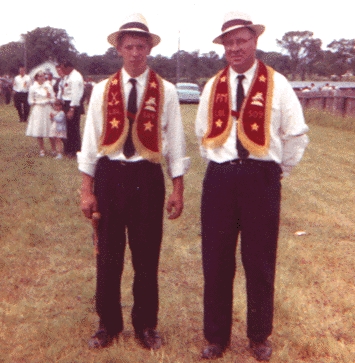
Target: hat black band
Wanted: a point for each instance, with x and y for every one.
(135, 25)
(234, 22)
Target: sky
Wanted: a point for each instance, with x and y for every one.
(195, 22)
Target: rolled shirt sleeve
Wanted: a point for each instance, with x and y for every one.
(88, 155)
(293, 129)
(174, 146)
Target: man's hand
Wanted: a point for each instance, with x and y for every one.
(174, 206)
(175, 203)
(88, 204)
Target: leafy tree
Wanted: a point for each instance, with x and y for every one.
(188, 64)
(278, 61)
(164, 66)
(303, 50)
(344, 52)
(210, 63)
(113, 60)
(11, 56)
(43, 44)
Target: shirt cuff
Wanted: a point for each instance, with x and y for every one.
(86, 166)
(179, 167)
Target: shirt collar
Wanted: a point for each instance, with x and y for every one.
(141, 79)
(249, 74)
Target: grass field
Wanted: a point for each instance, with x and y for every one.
(48, 269)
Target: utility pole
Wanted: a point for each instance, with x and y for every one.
(24, 50)
(178, 61)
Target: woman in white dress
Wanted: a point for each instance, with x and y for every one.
(40, 97)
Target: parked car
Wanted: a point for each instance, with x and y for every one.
(188, 92)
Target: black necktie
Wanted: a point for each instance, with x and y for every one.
(243, 153)
(128, 148)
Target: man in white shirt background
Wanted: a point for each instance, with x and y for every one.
(21, 85)
(251, 129)
(133, 122)
(71, 95)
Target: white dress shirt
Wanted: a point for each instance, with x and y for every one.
(173, 139)
(22, 83)
(288, 138)
(73, 88)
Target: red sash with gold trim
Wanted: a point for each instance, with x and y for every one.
(146, 131)
(253, 119)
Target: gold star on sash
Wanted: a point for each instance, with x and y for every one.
(219, 123)
(114, 82)
(223, 79)
(114, 123)
(148, 126)
(262, 78)
(255, 127)
(153, 84)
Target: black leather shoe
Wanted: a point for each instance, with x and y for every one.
(101, 339)
(149, 338)
(212, 351)
(262, 351)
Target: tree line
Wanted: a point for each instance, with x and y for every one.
(301, 57)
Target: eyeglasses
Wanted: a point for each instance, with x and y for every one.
(240, 42)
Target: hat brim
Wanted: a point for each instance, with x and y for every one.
(258, 29)
(112, 38)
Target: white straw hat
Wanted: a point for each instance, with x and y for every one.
(235, 20)
(134, 23)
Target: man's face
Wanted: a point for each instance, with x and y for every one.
(65, 70)
(22, 71)
(134, 50)
(240, 48)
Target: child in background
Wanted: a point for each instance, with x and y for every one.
(58, 128)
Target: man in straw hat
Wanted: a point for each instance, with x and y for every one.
(133, 121)
(252, 131)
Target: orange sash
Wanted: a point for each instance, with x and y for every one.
(253, 119)
(146, 131)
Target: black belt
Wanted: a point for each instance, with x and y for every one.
(132, 164)
(247, 161)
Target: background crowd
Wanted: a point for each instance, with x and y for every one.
(51, 106)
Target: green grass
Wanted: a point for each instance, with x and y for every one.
(47, 265)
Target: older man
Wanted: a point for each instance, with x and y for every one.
(252, 131)
(133, 121)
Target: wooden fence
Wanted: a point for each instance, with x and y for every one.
(339, 102)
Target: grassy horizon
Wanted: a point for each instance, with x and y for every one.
(47, 265)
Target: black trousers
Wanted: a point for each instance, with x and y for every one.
(130, 199)
(241, 198)
(72, 143)
(22, 105)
